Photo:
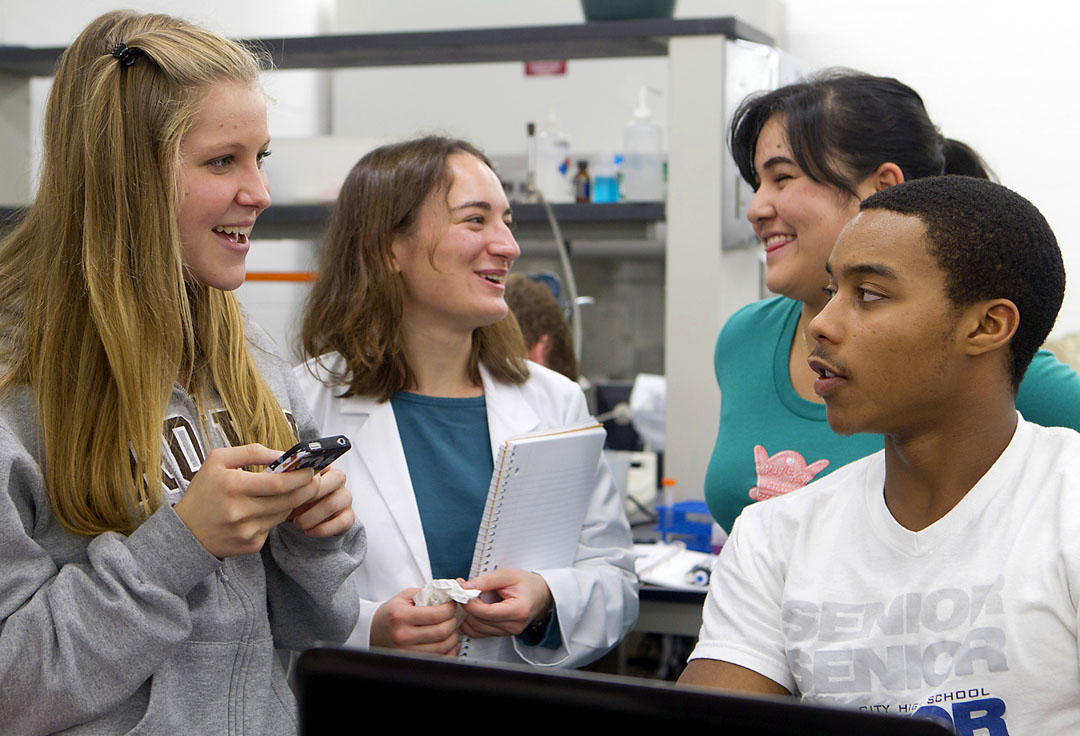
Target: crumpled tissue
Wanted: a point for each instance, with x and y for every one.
(438, 592)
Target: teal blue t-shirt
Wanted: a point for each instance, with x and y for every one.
(448, 450)
(771, 440)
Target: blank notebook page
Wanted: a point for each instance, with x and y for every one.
(537, 500)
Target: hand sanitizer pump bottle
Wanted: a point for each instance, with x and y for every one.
(643, 165)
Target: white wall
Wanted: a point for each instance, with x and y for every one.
(997, 75)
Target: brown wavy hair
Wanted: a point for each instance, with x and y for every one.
(355, 307)
(99, 319)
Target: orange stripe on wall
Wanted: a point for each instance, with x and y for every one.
(280, 276)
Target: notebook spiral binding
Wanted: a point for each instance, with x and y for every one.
(489, 522)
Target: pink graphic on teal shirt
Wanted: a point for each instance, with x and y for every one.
(782, 473)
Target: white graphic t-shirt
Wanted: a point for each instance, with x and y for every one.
(971, 622)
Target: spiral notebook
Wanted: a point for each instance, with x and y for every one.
(536, 504)
(537, 499)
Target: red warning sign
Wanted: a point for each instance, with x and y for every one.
(545, 68)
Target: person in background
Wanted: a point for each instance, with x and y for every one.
(415, 356)
(812, 150)
(147, 575)
(548, 341)
(937, 577)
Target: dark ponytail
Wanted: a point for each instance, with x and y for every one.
(962, 159)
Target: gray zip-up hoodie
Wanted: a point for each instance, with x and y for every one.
(150, 633)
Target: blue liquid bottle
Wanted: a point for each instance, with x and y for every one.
(605, 183)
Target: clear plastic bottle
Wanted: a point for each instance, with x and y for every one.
(643, 165)
(553, 162)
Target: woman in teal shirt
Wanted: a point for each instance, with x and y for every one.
(812, 150)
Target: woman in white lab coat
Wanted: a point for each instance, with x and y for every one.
(416, 358)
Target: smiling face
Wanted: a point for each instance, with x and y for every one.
(223, 187)
(797, 218)
(453, 264)
(889, 352)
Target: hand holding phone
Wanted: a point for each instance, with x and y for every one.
(330, 513)
(231, 511)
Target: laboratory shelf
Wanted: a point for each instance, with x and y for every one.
(595, 40)
(629, 221)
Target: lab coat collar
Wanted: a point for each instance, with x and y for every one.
(379, 445)
(509, 414)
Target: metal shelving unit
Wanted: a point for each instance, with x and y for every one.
(604, 40)
(612, 39)
(630, 221)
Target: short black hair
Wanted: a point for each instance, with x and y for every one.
(992, 244)
(842, 124)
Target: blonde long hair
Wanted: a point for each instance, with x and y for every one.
(355, 307)
(101, 321)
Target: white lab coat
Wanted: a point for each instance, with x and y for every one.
(596, 598)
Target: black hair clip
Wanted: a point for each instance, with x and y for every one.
(124, 54)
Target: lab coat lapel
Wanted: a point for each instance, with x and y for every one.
(380, 447)
(509, 413)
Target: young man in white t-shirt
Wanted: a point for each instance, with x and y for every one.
(940, 577)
